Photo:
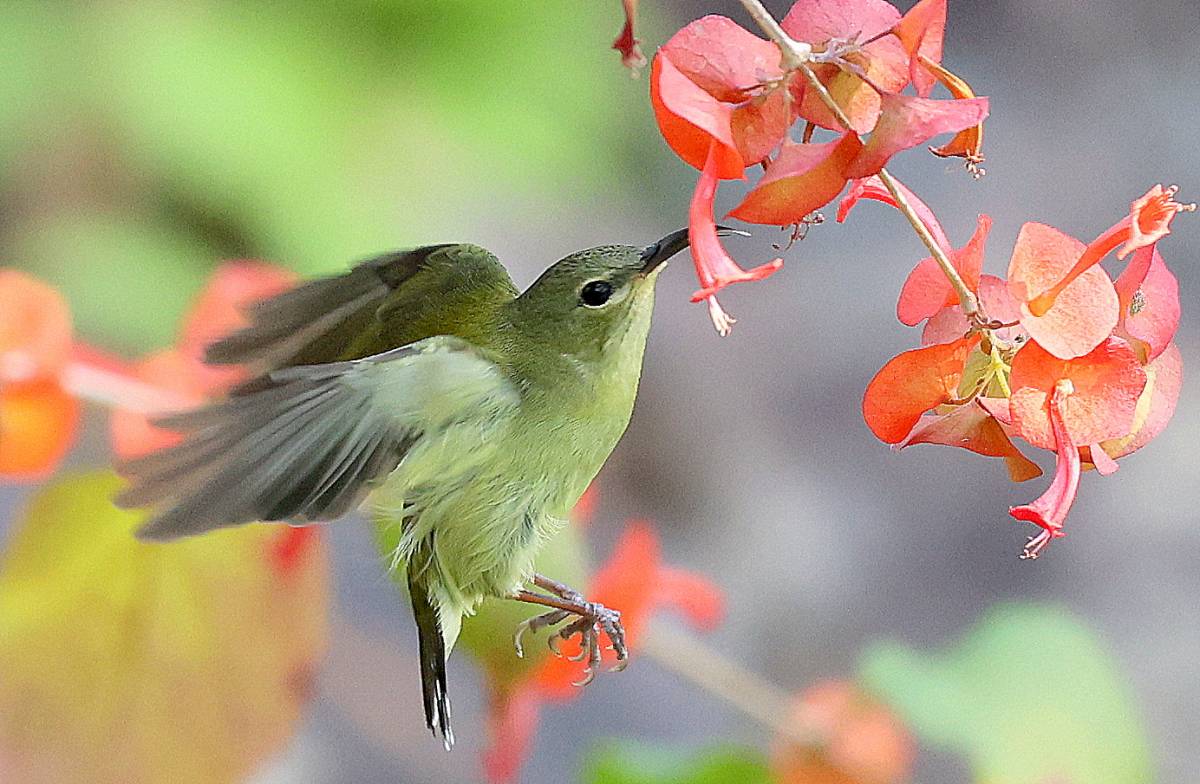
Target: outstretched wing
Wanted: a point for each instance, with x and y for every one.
(306, 443)
(388, 301)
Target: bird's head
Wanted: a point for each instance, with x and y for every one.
(595, 299)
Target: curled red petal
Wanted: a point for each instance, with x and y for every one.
(35, 328)
(905, 121)
(802, 178)
(926, 290)
(1105, 387)
(1050, 510)
(873, 188)
(921, 32)
(692, 121)
(911, 384)
(1083, 315)
(39, 422)
(971, 427)
(715, 268)
(627, 42)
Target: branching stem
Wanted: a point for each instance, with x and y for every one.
(795, 56)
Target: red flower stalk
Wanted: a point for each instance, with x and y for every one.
(627, 43)
(714, 266)
(1051, 508)
(1149, 220)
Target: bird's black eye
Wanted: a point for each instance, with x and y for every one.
(596, 293)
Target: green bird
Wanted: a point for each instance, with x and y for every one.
(474, 416)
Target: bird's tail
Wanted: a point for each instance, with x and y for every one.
(433, 661)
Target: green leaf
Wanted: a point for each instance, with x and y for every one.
(1028, 695)
(133, 663)
(629, 763)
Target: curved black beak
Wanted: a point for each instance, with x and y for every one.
(657, 254)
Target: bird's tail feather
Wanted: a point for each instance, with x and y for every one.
(433, 662)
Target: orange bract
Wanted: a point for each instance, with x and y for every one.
(1149, 297)
(911, 384)
(38, 423)
(1104, 389)
(802, 178)
(1084, 313)
(825, 22)
(905, 122)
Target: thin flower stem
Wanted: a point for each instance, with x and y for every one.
(689, 658)
(794, 53)
(966, 298)
(117, 390)
(795, 56)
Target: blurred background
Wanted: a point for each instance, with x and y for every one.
(142, 143)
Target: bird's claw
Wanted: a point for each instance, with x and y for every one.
(593, 621)
(532, 625)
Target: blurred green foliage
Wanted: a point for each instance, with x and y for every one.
(630, 763)
(142, 142)
(1028, 695)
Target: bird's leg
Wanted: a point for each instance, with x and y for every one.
(593, 619)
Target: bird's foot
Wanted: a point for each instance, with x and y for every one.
(592, 620)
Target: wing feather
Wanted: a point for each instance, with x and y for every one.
(310, 441)
(327, 319)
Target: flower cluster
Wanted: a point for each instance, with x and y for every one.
(726, 100)
(1059, 354)
(44, 372)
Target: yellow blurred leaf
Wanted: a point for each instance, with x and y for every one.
(128, 662)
